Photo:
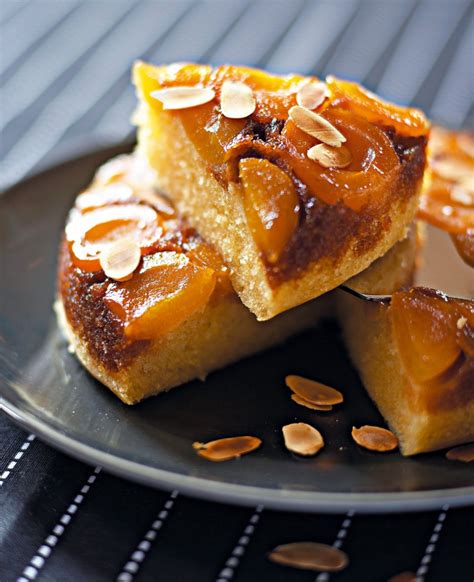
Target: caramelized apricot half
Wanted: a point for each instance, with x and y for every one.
(271, 205)
(427, 333)
(410, 122)
(166, 291)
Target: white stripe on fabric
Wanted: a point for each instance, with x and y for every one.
(132, 566)
(431, 547)
(232, 563)
(18, 455)
(338, 542)
(44, 551)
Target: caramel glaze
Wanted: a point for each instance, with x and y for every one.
(434, 335)
(320, 225)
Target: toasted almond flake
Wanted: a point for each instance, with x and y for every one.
(183, 97)
(119, 259)
(237, 100)
(451, 169)
(312, 94)
(403, 577)
(330, 157)
(302, 438)
(227, 448)
(316, 126)
(375, 438)
(303, 402)
(461, 322)
(313, 392)
(310, 556)
(464, 453)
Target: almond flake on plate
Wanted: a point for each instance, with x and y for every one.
(375, 438)
(237, 100)
(312, 94)
(119, 259)
(316, 126)
(464, 453)
(403, 577)
(330, 157)
(310, 556)
(313, 392)
(183, 97)
(302, 438)
(227, 448)
(311, 405)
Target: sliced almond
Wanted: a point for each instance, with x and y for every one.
(227, 448)
(302, 438)
(316, 126)
(464, 453)
(375, 438)
(313, 392)
(461, 322)
(310, 556)
(330, 157)
(183, 97)
(119, 259)
(237, 100)
(311, 405)
(312, 94)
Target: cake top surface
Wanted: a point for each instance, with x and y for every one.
(127, 254)
(293, 146)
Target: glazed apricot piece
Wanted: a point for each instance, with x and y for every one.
(367, 178)
(425, 326)
(410, 122)
(271, 205)
(166, 291)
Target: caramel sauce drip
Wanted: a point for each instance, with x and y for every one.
(434, 336)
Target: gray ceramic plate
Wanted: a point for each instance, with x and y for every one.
(43, 388)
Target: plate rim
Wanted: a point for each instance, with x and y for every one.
(210, 490)
(245, 495)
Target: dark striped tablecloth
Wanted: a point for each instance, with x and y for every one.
(64, 77)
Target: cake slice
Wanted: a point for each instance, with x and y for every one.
(415, 355)
(173, 315)
(299, 184)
